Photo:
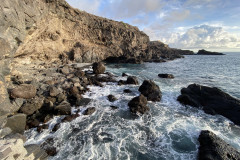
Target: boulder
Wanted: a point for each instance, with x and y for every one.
(212, 101)
(16, 123)
(31, 106)
(89, 111)
(214, 148)
(65, 70)
(83, 101)
(150, 90)
(124, 75)
(98, 68)
(168, 76)
(26, 91)
(53, 91)
(132, 80)
(138, 104)
(63, 108)
(127, 91)
(112, 98)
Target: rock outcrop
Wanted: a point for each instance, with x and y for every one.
(168, 76)
(138, 105)
(212, 101)
(150, 90)
(204, 52)
(214, 148)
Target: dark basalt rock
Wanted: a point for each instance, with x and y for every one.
(64, 108)
(214, 148)
(26, 91)
(132, 80)
(112, 98)
(204, 52)
(150, 90)
(138, 104)
(212, 101)
(124, 75)
(127, 91)
(168, 76)
(98, 68)
(89, 111)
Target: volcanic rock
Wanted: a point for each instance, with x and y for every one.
(98, 68)
(150, 90)
(212, 101)
(168, 76)
(138, 104)
(204, 52)
(112, 98)
(214, 148)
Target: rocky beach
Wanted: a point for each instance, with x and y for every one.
(53, 55)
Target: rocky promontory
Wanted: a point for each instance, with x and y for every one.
(204, 52)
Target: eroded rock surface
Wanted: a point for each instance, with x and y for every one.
(212, 101)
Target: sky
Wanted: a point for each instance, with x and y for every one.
(186, 24)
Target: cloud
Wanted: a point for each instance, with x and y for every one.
(203, 36)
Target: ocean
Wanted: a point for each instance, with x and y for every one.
(169, 131)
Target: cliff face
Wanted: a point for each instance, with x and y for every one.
(53, 31)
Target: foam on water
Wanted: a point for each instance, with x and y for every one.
(168, 131)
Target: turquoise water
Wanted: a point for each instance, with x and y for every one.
(168, 131)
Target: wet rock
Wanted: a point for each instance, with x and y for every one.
(132, 80)
(16, 123)
(42, 127)
(61, 97)
(48, 146)
(124, 75)
(31, 106)
(212, 101)
(56, 127)
(25, 91)
(127, 91)
(112, 98)
(168, 76)
(114, 107)
(70, 118)
(150, 90)
(83, 102)
(121, 82)
(138, 104)
(64, 108)
(214, 148)
(32, 123)
(98, 68)
(89, 111)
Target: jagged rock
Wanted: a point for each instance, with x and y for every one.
(212, 101)
(204, 52)
(53, 91)
(214, 148)
(112, 98)
(150, 90)
(114, 107)
(17, 123)
(49, 148)
(26, 91)
(98, 68)
(124, 75)
(89, 111)
(64, 108)
(132, 80)
(83, 102)
(168, 76)
(138, 104)
(31, 106)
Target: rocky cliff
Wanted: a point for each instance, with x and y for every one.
(51, 31)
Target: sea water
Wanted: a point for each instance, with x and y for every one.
(169, 131)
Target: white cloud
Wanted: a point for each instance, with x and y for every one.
(198, 37)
